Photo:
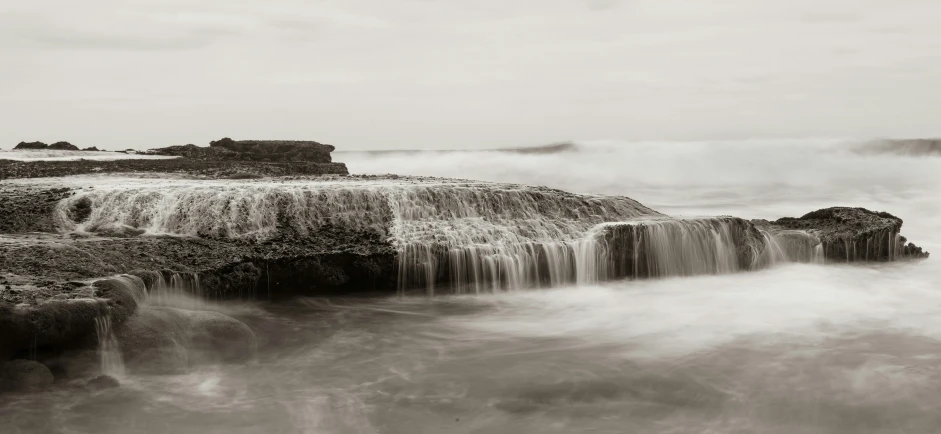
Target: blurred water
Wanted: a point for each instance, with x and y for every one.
(795, 349)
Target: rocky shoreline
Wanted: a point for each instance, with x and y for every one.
(64, 266)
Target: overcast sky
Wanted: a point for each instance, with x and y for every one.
(377, 74)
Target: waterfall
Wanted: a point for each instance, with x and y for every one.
(175, 288)
(451, 236)
(108, 350)
(680, 247)
(792, 246)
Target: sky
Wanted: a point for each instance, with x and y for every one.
(387, 74)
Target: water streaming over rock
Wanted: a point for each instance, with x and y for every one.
(451, 236)
(112, 363)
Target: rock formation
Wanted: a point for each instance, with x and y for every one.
(61, 146)
(30, 145)
(853, 234)
(225, 158)
(86, 260)
(284, 151)
(907, 147)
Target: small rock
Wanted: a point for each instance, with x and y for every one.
(102, 382)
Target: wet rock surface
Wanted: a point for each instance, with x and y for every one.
(224, 169)
(55, 257)
(855, 234)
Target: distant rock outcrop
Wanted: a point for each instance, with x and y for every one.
(60, 146)
(31, 145)
(63, 146)
(283, 151)
(92, 148)
(906, 147)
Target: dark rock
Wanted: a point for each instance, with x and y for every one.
(854, 234)
(102, 382)
(253, 150)
(92, 148)
(63, 146)
(31, 145)
(204, 167)
(78, 363)
(24, 375)
(80, 210)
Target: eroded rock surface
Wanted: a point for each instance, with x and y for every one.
(855, 234)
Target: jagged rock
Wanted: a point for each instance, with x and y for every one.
(253, 150)
(31, 145)
(854, 234)
(24, 375)
(91, 148)
(63, 146)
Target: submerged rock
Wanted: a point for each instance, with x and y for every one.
(163, 340)
(150, 342)
(24, 375)
(217, 337)
(102, 382)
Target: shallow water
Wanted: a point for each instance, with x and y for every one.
(794, 349)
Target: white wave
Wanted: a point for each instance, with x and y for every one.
(64, 155)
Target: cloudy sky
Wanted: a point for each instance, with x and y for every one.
(371, 74)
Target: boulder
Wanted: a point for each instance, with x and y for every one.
(151, 341)
(91, 148)
(24, 375)
(215, 337)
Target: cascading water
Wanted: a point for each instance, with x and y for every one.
(108, 350)
(178, 289)
(455, 236)
(792, 246)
